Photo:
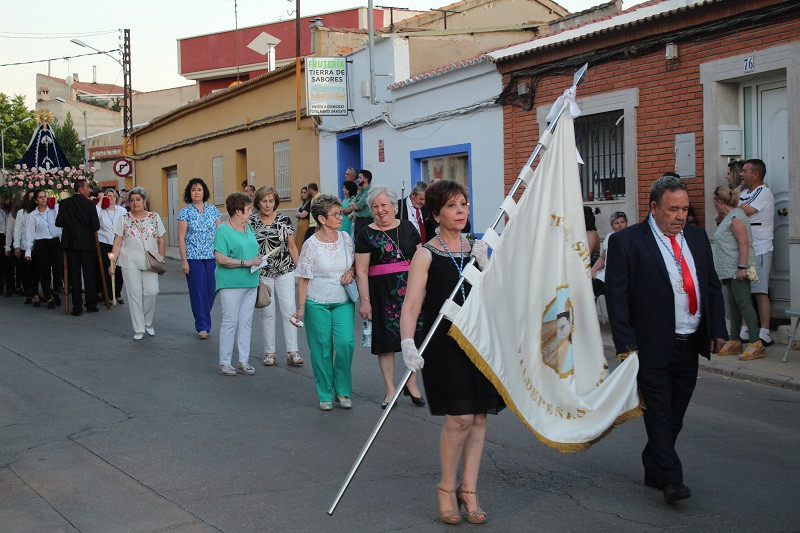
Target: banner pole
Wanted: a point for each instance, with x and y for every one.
(577, 79)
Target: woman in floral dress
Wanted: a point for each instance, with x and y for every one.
(383, 253)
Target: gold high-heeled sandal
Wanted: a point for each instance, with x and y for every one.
(449, 517)
(473, 517)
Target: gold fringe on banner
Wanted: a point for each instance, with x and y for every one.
(564, 447)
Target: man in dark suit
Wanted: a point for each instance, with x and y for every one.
(412, 208)
(664, 301)
(78, 218)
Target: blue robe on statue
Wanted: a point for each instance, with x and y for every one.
(44, 151)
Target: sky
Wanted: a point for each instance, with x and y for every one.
(155, 27)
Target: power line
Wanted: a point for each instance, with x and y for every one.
(56, 58)
(50, 35)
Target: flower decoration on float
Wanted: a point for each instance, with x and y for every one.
(44, 166)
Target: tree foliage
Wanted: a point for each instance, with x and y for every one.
(69, 140)
(17, 136)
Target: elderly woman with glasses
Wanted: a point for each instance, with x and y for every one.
(324, 268)
(619, 221)
(384, 250)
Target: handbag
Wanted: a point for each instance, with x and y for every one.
(351, 288)
(155, 262)
(264, 295)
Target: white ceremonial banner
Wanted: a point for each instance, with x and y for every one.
(530, 322)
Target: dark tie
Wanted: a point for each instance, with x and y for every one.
(688, 282)
(421, 225)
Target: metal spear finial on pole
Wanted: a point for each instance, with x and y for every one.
(577, 79)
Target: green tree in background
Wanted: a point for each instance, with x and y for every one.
(17, 137)
(68, 139)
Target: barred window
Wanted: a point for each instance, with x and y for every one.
(600, 140)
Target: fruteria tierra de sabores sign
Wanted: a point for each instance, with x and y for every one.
(326, 86)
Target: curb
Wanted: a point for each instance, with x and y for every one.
(746, 374)
(732, 371)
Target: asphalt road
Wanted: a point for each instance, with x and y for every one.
(102, 433)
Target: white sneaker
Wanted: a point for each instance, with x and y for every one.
(245, 369)
(150, 330)
(344, 402)
(227, 370)
(138, 336)
(326, 406)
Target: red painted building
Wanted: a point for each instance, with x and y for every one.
(212, 59)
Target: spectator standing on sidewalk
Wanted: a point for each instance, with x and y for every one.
(758, 203)
(108, 213)
(359, 206)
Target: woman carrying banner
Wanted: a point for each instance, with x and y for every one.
(454, 385)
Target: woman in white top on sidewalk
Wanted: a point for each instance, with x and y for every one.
(44, 249)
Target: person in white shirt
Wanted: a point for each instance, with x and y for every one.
(758, 203)
(108, 212)
(6, 261)
(44, 249)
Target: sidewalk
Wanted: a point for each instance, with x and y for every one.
(768, 370)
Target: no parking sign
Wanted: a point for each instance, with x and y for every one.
(123, 167)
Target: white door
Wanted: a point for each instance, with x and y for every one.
(172, 205)
(773, 139)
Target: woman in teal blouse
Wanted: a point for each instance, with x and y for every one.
(235, 251)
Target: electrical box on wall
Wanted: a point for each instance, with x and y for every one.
(730, 140)
(685, 155)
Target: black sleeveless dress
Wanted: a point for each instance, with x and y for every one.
(453, 384)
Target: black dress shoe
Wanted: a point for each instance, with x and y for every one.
(76, 311)
(419, 402)
(51, 304)
(92, 309)
(384, 404)
(28, 301)
(56, 299)
(765, 343)
(676, 491)
(37, 303)
(120, 301)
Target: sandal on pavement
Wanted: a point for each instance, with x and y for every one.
(451, 516)
(293, 359)
(269, 359)
(473, 517)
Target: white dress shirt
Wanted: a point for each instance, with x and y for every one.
(411, 213)
(40, 225)
(685, 322)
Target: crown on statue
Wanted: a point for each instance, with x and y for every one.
(44, 116)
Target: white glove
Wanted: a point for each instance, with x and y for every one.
(480, 251)
(411, 356)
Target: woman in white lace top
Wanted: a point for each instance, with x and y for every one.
(324, 268)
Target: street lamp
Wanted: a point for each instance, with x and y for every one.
(81, 43)
(3, 137)
(127, 92)
(85, 133)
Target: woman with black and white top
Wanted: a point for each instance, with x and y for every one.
(275, 236)
(109, 212)
(44, 249)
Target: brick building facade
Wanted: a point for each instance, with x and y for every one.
(677, 81)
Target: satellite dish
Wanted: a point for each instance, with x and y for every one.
(69, 80)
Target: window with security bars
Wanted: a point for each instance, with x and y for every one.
(601, 142)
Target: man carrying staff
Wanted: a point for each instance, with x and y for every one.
(77, 216)
(664, 301)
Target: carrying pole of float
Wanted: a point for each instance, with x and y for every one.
(524, 176)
